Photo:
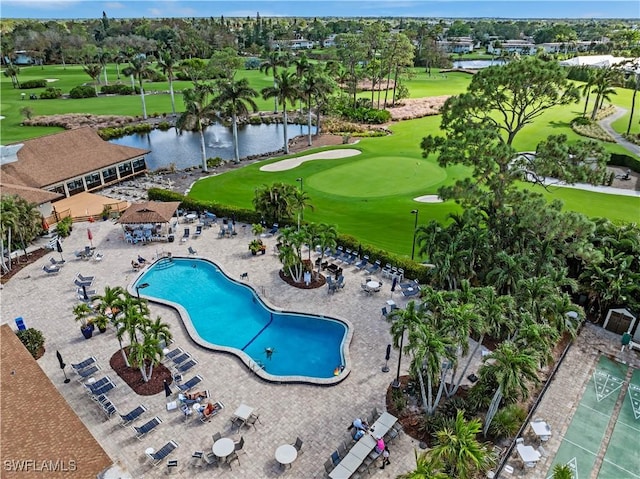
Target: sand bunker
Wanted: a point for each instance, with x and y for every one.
(428, 199)
(323, 155)
(51, 80)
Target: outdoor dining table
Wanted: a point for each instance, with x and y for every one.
(223, 447)
(528, 454)
(541, 429)
(363, 447)
(340, 472)
(191, 217)
(286, 454)
(373, 284)
(386, 419)
(243, 412)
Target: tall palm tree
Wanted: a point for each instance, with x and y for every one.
(326, 236)
(140, 68)
(290, 252)
(145, 355)
(12, 71)
(236, 99)
(196, 110)
(286, 88)
(300, 201)
(160, 331)
(168, 63)
(275, 202)
(29, 222)
(315, 84)
(8, 223)
(586, 89)
(274, 60)
(93, 70)
(460, 452)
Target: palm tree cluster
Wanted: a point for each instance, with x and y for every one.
(279, 202)
(20, 223)
(130, 317)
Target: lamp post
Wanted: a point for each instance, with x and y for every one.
(301, 213)
(138, 288)
(415, 228)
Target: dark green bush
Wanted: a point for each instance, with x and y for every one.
(255, 120)
(507, 421)
(28, 84)
(618, 159)
(32, 339)
(63, 227)
(83, 91)
(581, 120)
(119, 89)
(214, 162)
(115, 132)
(51, 93)
(164, 126)
(366, 115)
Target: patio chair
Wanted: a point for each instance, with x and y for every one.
(20, 324)
(374, 267)
(384, 311)
(274, 229)
(88, 372)
(56, 262)
(103, 389)
(232, 457)
(192, 251)
(365, 288)
(211, 459)
(88, 252)
(335, 458)
(132, 415)
(197, 458)
(51, 269)
(198, 231)
(239, 445)
(363, 263)
(177, 361)
(216, 436)
(80, 284)
(352, 258)
(97, 384)
(298, 445)
(328, 466)
(85, 363)
(217, 407)
(147, 427)
(342, 450)
(251, 421)
(194, 381)
(185, 235)
(157, 457)
(184, 367)
(407, 293)
(175, 353)
(108, 408)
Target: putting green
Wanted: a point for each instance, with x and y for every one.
(378, 177)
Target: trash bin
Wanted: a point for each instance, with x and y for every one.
(171, 238)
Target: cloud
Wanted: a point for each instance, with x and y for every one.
(115, 5)
(41, 4)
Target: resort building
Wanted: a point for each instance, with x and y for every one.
(56, 166)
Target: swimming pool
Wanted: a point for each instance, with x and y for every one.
(225, 315)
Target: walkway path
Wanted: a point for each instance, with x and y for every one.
(605, 123)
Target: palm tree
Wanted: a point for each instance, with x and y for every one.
(586, 89)
(276, 201)
(326, 236)
(167, 63)
(108, 304)
(160, 331)
(12, 71)
(427, 467)
(196, 110)
(274, 60)
(8, 222)
(235, 99)
(461, 454)
(300, 201)
(512, 368)
(145, 354)
(315, 84)
(93, 70)
(562, 471)
(29, 222)
(290, 252)
(140, 68)
(285, 88)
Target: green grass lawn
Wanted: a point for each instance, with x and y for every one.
(371, 195)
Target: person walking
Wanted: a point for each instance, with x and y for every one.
(385, 457)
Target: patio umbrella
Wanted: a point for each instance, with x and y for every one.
(59, 248)
(62, 366)
(393, 285)
(90, 236)
(84, 293)
(167, 389)
(385, 368)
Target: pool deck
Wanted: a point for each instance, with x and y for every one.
(319, 415)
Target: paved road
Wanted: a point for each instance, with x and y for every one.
(605, 123)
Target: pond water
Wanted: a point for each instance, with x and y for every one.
(476, 64)
(183, 149)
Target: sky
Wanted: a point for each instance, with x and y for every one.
(50, 9)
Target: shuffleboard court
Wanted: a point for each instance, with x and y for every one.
(622, 459)
(581, 442)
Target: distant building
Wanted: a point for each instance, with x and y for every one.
(22, 57)
(521, 47)
(299, 44)
(457, 45)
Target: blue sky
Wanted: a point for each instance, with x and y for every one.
(310, 8)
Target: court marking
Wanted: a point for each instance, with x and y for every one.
(603, 390)
(634, 395)
(620, 467)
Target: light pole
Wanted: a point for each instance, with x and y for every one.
(301, 213)
(415, 229)
(138, 288)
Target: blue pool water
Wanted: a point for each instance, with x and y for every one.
(226, 313)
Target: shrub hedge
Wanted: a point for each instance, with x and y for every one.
(51, 93)
(33, 340)
(28, 84)
(119, 89)
(83, 91)
(115, 132)
(412, 269)
(627, 161)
